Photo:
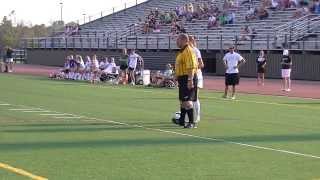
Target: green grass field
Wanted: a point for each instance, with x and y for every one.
(125, 133)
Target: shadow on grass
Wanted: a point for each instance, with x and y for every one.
(112, 141)
(108, 143)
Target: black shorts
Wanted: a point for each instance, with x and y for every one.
(261, 69)
(123, 67)
(131, 69)
(232, 79)
(186, 94)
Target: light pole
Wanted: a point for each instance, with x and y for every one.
(84, 18)
(61, 7)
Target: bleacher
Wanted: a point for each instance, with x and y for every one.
(123, 29)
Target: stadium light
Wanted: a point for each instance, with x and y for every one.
(84, 18)
(61, 8)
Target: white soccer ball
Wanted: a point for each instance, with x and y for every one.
(177, 115)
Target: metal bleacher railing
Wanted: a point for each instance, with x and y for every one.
(217, 42)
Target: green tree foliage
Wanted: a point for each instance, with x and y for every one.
(11, 35)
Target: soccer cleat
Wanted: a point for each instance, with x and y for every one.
(288, 90)
(174, 121)
(189, 126)
(233, 97)
(195, 125)
(225, 96)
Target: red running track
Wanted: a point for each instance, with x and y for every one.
(303, 89)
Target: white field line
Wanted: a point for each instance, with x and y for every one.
(42, 111)
(68, 117)
(5, 104)
(54, 114)
(33, 109)
(203, 137)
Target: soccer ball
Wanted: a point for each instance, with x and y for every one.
(176, 118)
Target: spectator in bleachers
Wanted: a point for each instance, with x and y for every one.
(301, 12)
(263, 13)
(212, 22)
(231, 16)
(222, 19)
(245, 33)
(275, 5)
(316, 7)
(251, 14)
(293, 3)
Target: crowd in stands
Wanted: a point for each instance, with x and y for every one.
(71, 29)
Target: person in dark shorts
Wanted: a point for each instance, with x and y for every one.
(9, 59)
(232, 61)
(186, 67)
(286, 65)
(123, 67)
(261, 67)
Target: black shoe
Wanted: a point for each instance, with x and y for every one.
(174, 121)
(189, 126)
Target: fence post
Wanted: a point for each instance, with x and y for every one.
(32, 43)
(286, 41)
(126, 42)
(236, 41)
(169, 42)
(251, 44)
(157, 42)
(66, 46)
(303, 46)
(221, 45)
(207, 42)
(147, 41)
(136, 42)
(268, 42)
(45, 43)
(98, 43)
(116, 40)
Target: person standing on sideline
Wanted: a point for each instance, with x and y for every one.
(286, 64)
(123, 67)
(261, 67)
(232, 61)
(196, 104)
(186, 67)
(132, 64)
(9, 59)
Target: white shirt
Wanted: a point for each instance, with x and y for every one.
(95, 64)
(133, 60)
(232, 61)
(109, 68)
(82, 64)
(197, 52)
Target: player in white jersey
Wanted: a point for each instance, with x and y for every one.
(94, 69)
(196, 104)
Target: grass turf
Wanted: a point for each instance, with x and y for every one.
(89, 148)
